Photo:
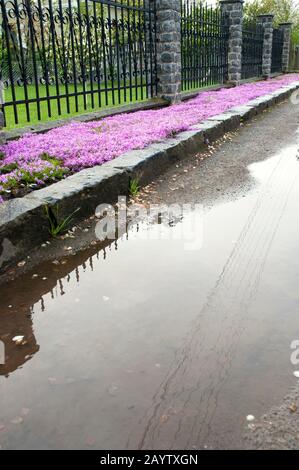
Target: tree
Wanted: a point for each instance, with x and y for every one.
(284, 11)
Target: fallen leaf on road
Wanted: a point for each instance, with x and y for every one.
(17, 420)
(25, 411)
(250, 418)
(251, 426)
(90, 441)
(18, 339)
(164, 418)
(293, 407)
(112, 390)
(52, 380)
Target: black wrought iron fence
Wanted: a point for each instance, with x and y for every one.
(204, 40)
(62, 57)
(277, 49)
(252, 49)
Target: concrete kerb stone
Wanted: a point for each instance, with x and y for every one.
(245, 112)
(23, 221)
(229, 121)
(152, 161)
(260, 104)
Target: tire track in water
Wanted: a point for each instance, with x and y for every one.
(231, 342)
(188, 396)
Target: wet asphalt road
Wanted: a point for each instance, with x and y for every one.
(172, 335)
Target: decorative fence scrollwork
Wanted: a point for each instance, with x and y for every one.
(61, 57)
(76, 55)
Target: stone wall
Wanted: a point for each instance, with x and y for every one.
(233, 10)
(267, 23)
(169, 49)
(287, 29)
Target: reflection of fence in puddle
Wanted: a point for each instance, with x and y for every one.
(12, 355)
(18, 320)
(56, 282)
(70, 271)
(83, 263)
(61, 286)
(2, 353)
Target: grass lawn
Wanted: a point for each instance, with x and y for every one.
(69, 106)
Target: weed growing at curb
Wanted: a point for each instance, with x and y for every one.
(55, 226)
(134, 187)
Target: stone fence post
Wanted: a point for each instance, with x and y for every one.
(233, 9)
(266, 21)
(287, 29)
(168, 30)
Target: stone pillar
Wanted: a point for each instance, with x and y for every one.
(168, 27)
(287, 29)
(266, 21)
(233, 11)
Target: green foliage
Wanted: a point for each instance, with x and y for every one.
(11, 184)
(27, 177)
(284, 10)
(55, 226)
(5, 169)
(45, 156)
(134, 187)
(138, 95)
(57, 60)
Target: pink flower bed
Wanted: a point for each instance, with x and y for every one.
(40, 159)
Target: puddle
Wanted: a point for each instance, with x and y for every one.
(145, 344)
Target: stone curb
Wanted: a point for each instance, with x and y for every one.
(23, 224)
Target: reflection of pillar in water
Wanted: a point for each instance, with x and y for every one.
(11, 325)
(2, 353)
